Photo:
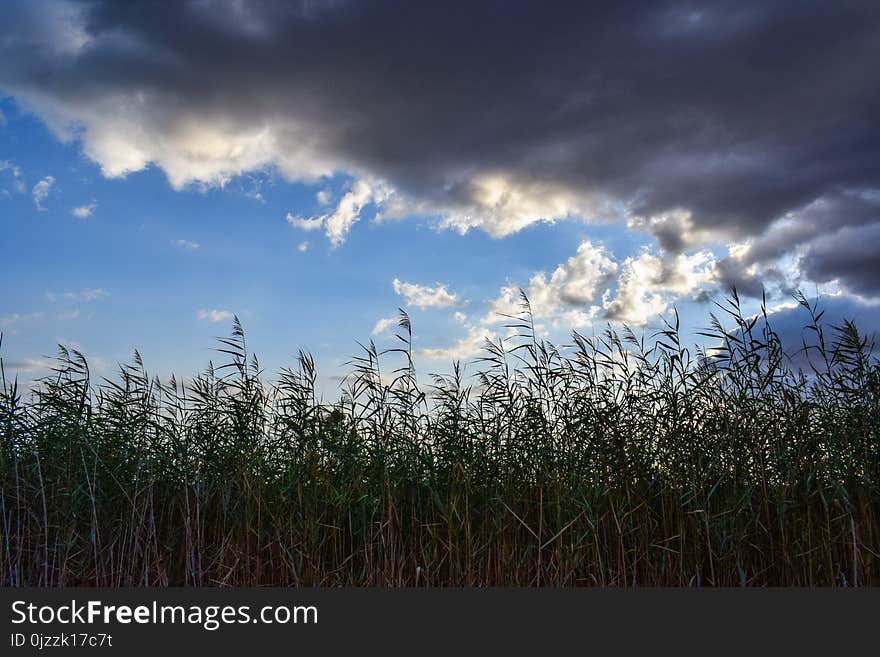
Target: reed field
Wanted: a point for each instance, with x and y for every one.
(615, 460)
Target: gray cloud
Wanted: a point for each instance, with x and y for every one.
(791, 325)
(828, 239)
(851, 256)
(727, 116)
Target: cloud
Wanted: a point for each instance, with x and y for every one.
(384, 324)
(307, 225)
(569, 297)
(502, 203)
(17, 318)
(849, 256)
(41, 191)
(787, 253)
(324, 196)
(302, 247)
(589, 286)
(337, 224)
(467, 347)
(648, 283)
(27, 365)
(610, 112)
(573, 285)
(251, 186)
(86, 295)
(215, 315)
(84, 211)
(186, 245)
(674, 231)
(425, 296)
(790, 322)
(15, 170)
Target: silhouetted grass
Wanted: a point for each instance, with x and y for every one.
(612, 461)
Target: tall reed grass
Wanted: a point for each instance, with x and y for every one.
(616, 460)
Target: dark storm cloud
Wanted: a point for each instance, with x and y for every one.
(792, 326)
(851, 256)
(793, 322)
(829, 255)
(734, 112)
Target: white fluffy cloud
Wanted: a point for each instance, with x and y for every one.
(337, 224)
(502, 204)
(119, 133)
(384, 324)
(469, 346)
(41, 191)
(83, 211)
(648, 283)
(588, 287)
(425, 296)
(307, 225)
(567, 298)
(215, 315)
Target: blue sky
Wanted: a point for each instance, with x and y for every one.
(148, 262)
(149, 190)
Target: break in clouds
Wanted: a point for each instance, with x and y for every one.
(748, 128)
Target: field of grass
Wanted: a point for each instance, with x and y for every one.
(613, 461)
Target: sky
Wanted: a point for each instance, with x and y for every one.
(311, 167)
